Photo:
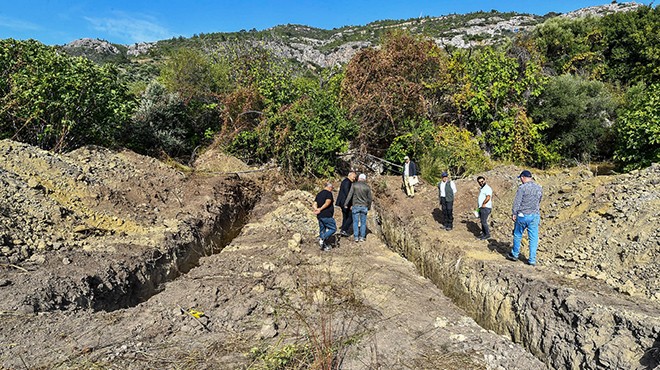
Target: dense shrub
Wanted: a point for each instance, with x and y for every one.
(454, 150)
(638, 128)
(577, 116)
(59, 102)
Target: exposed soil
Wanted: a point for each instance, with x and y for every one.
(118, 261)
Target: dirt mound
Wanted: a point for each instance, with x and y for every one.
(69, 222)
(214, 161)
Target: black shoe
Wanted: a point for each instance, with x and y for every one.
(326, 248)
(343, 233)
(510, 257)
(484, 237)
(448, 228)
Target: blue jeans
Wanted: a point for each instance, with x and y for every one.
(327, 227)
(360, 222)
(531, 223)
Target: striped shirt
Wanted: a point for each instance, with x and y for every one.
(528, 199)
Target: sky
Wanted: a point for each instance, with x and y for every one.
(57, 22)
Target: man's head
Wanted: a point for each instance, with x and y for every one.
(481, 181)
(445, 176)
(362, 177)
(406, 158)
(525, 176)
(328, 186)
(352, 176)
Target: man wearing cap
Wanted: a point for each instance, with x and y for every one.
(324, 211)
(526, 214)
(409, 172)
(361, 197)
(446, 193)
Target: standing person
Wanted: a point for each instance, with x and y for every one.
(360, 195)
(526, 214)
(324, 211)
(346, 213)
(447, 192)
(485, 202)
(409, 172)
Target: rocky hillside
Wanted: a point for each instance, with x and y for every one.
(325, 48)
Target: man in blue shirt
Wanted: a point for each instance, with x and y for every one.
(526, 214)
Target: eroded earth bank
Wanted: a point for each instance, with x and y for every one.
(114, 260)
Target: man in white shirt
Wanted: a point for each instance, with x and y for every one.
(485, 203)
(447, 192)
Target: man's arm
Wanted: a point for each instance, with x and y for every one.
(483, 205)
(517, 201)
(349, 197)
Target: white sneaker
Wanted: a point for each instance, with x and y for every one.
(321, 243)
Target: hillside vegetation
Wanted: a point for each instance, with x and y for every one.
(453, 92)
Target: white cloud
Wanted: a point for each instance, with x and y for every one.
(18, 25)
(130, 28)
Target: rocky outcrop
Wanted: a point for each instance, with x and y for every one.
(139, 48)
(93, 45)
(601, 10)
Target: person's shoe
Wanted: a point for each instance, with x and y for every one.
(448, 228)
(484, 237)
(321, 243)
(361, 240)
(511, 257)
(326, 248)
(343, 233)
(356, 240)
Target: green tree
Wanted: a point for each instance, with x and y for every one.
(161, 123)
(578, 115)
(632, 50)
(638, 128)
(455, 150)
(306, 135)
(58, 102)
(572, 46)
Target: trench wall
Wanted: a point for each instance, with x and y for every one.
(564, 327)
(126, 283)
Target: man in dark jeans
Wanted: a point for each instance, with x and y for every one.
(485, 203)
(346, 213)
(324, 211)
(447, 192)
(361, 197)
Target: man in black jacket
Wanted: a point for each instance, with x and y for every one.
(346, 213)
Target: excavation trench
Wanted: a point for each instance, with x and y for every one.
(129, 281)
(565, 327)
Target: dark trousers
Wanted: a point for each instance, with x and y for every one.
(447, 212)
(483, 216)
(346, 219)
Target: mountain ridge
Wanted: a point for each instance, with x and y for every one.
(325, 48)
